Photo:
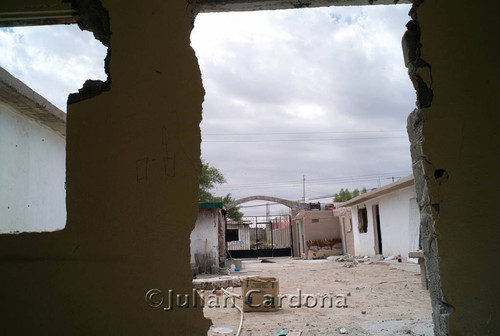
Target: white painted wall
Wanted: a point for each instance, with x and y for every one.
(205, 232)
(399, 224)
(32, 175)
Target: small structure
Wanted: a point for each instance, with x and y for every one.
(238, 235)
(386, 220)
(208, 238)
(33, 160)
(316, 234)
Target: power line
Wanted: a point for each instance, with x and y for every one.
(318, 181)
(293, 133)
(295, 140)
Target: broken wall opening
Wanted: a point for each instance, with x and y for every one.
(42, 66)
(239, 105)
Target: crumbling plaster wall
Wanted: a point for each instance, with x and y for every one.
(205, 240)
(454, 143)
(133, 157)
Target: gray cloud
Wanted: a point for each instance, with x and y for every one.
(279, 76)
(321, 70)
(53, 60)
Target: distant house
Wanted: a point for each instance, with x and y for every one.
(208, 238)
(316, 234)
(238, 235)
(386, 220)
(33, 160)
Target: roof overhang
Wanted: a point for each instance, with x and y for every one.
(400, 184)
(24, 100)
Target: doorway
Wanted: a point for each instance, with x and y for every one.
(376, 230)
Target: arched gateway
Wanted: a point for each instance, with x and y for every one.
(262, 236)
(295, 206)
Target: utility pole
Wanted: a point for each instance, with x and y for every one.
(303, 188)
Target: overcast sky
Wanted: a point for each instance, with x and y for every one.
(317, 92)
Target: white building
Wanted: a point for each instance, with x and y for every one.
(386, 220)
(32, 160)
(208, 239)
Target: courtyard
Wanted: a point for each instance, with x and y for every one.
(370, 297)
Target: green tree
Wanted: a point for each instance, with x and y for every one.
(210, 177)
(345, 195)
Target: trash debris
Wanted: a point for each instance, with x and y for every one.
(343, 330)
(340, 259)
(392, 257)
(363, 312)
(413, 260)
(353, 264)
(222, 330)
(287, 332)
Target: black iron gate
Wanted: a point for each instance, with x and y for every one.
(260, 236)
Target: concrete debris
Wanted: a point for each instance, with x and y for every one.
(222, 330)
(217, 283)
(353, 264)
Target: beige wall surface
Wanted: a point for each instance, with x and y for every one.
(133, 157)
(461, 138)
(328, 226)
(133, 160)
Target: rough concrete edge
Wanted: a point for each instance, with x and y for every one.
(428, 211)
(211, 6)
(94, 18)
(35, 106)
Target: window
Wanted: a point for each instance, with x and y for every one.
(362, 220)
(232, 235)
(315, 220)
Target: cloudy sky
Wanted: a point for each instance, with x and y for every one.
(321, 93)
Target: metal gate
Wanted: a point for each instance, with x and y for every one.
(260, 236)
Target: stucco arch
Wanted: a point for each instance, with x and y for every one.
(295, 206)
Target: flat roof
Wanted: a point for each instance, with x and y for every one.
(399, 184)
(21, 98)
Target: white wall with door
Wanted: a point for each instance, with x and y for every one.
(399, 224)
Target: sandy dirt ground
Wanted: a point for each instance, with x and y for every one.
(382, 297)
